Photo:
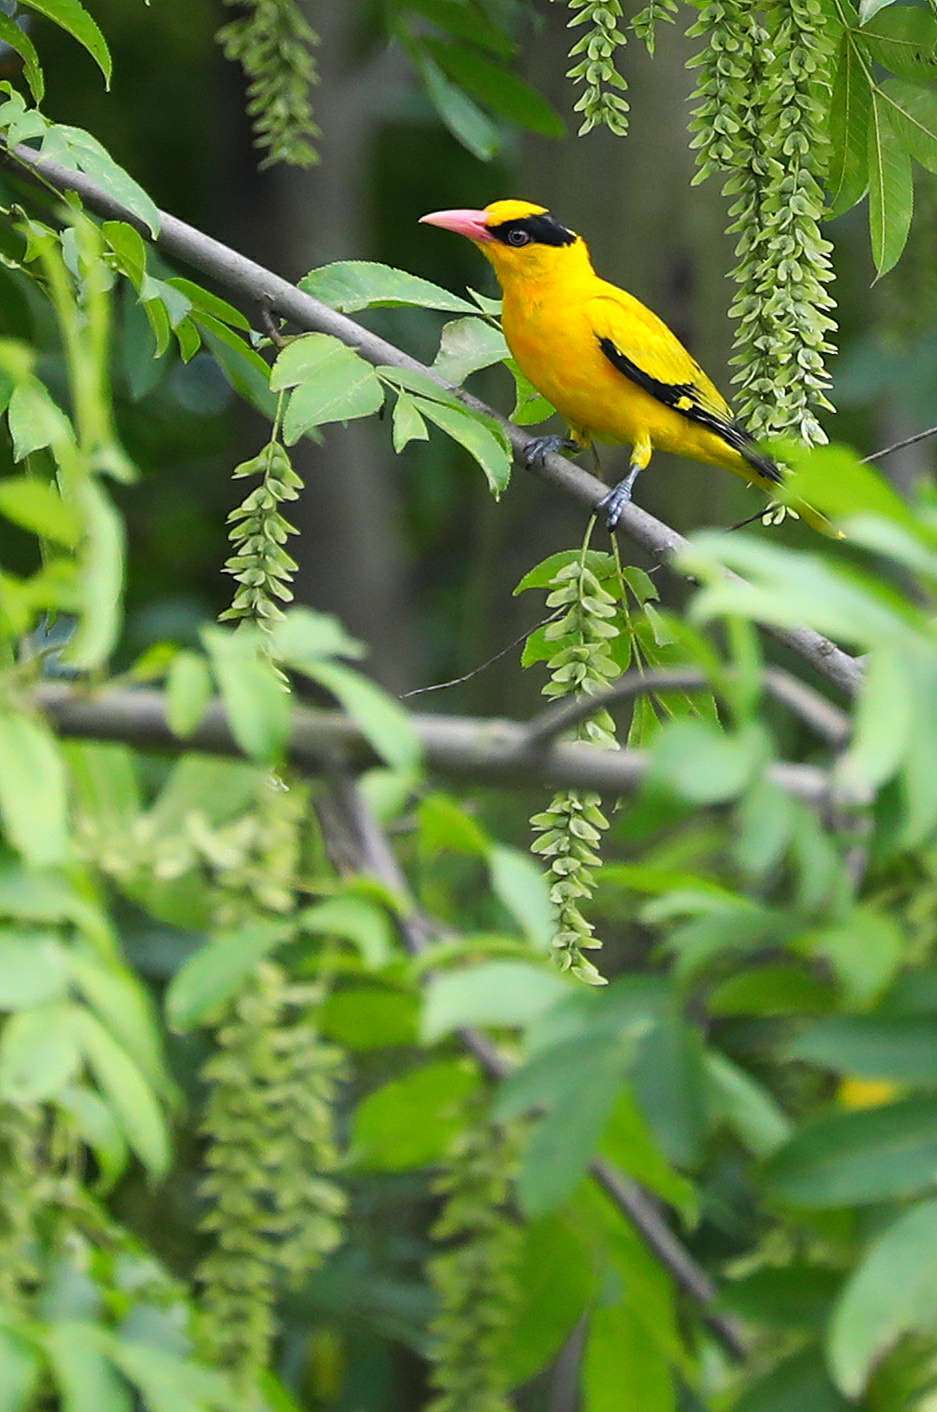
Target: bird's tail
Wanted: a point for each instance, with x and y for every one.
(769, 471)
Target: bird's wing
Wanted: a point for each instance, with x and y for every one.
(642, 348)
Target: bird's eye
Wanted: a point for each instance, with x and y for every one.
(518, 237)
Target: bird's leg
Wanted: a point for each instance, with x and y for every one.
(537, 450)
(619, 496)
(612, 504)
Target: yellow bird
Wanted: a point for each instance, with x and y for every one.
(610, 366)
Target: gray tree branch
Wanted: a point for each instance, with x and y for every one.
(487, 750)
(261, 287)
(825, 719)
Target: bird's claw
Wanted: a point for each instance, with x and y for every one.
(612, 504)
(537, 450)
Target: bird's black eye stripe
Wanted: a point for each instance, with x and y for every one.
(545, 230)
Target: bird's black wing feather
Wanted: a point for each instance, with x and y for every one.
(684, 399)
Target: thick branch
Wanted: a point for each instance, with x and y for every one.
(261, 287)
(819, 714)
(347, 810)
(492, 751)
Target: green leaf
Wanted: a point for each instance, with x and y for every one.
(216, 973)
(624, 1370)
(669, 1084)
(497, 88)
(188, 692)
(101, 579)
(530, 407)
(871, 1046)
(169, 1383)
(883, 720)
(383, 722)
(464, 119)
(35, 420)
(241, 365)
(855, 1158)
(912, 110)
(304, 638)
(72, 16)
(34, 967)
(792, 1296)
(465, 22)
(39, 1053)
(493, 993)
(777, 989)
(408, 423)
(19, 1372)
(369, 1018)
(125, 1007)
(37, 506)
(129, 250)
(32, 789)
(797, 1384)
(892, 1292)
(360, 920)
(129, 1093)
(17, 38)
(549, 1307)
(748, 1109)
(445, 825)
(98, 1129)
(705, 764)
(466, 346)
(208, 303)
(411, 1122)
(304, 358)
(850, 107)
(543, 574)
(869, 8)
(78, 150)
(336, 386)
(564, 1141)
(420, 383)
(86, 1380)
(257, 706)
(905, 41)
(891, 191)
(479, 439)
(840, 484)
(350, 285)
(520, 886)
(864, 952)
(630, 1143)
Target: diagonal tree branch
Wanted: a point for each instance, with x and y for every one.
(825, 719)
(347, 810)
(262, 287)
(489, 750)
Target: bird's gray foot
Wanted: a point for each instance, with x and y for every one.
(612, 504)
(537, 450)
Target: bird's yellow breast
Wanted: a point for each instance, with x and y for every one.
(555, 343)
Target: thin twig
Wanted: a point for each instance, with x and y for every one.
(376, 856)
(821, 715)
(262, 286)
(482, 666)
(900, 445)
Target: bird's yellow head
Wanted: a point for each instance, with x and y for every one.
(521, 240)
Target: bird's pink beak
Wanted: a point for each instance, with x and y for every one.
(472, 224)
